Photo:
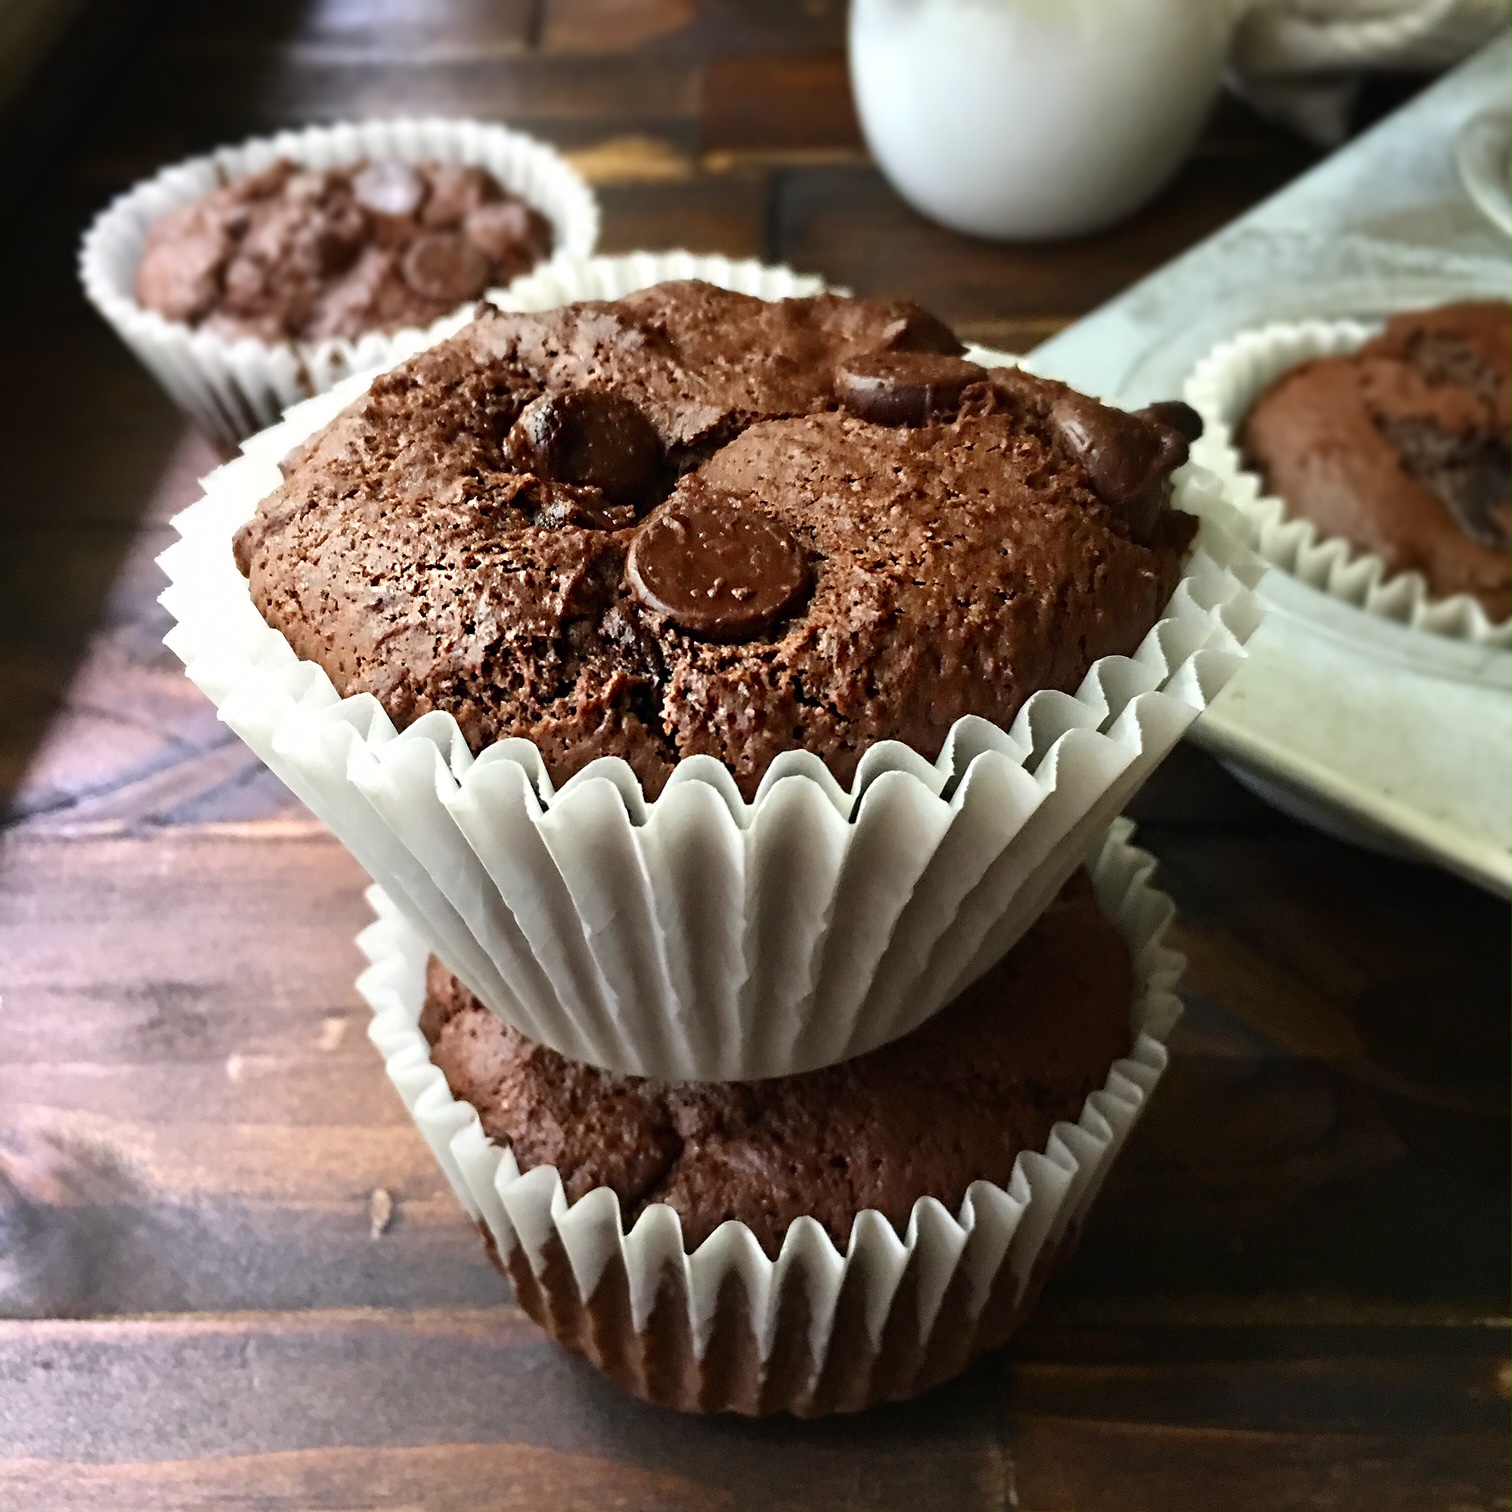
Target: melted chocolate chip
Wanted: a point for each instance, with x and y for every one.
(905, 388)
(1129, 458)
(1176, 413)
(714, 568)
(1469, 474)
(389, 189)
(919, 331)
(591, 437)
(446, 267)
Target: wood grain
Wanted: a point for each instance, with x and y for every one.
(1291, 1293)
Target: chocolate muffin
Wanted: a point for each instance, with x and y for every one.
(1402, 448)
(952, 1103)
(693, 522)
(305, 254)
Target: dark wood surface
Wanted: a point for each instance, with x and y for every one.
(1293, 1293)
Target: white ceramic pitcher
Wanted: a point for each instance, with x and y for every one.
(1030, 119)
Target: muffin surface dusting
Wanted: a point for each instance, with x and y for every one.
(658, 527)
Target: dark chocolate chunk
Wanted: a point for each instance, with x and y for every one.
(1129, 459)
(1469, 474)
(389, 189)
(905, 388)
(593, 437)
(716, 569)
(446, 267)
(1176, 413)
(1446, 357)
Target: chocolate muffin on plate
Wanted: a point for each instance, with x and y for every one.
(1402, 448)
(690, 521)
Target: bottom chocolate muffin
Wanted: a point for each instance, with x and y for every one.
(925, 1116)
(813, 1243)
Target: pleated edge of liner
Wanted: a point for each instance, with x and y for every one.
(1290, 543)
(1060, 1181)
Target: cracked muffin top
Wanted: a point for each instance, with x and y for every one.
(305, 254)
(693, 522)
(1402, 449)
(954, 1102)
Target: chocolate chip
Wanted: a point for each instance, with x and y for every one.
(905, 388)
(622, 629)
(446, 267)
(715, 568)
(502, 231)
(1129, 459)
(919, 331)
(1445, 357)
(389, 189)
(1468, 474)
(592, 437)
(1176, 413)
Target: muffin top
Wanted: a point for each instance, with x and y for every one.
(690, 521)
(1402, 448)
(306, 254)
(925, 1116)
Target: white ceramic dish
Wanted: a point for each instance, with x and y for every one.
(1483, 152)
(1368, 729)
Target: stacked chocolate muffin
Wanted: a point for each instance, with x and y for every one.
(693, 524)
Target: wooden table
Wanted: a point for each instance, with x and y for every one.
(230, 1274)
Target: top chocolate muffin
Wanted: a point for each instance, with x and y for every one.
(1402, 449)
(689, 521)
(305, 254)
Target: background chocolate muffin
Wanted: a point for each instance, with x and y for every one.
(1403, 448)
(694, 522)
(306, 254)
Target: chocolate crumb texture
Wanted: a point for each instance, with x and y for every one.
(693, 522)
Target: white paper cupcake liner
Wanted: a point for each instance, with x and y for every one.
(815, 1330)
(235, 388)
(701, 937)
(1221, 389)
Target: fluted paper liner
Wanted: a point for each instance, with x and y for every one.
(235, 388)
(699, 936)
(815, 1330)
(1222, 388)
